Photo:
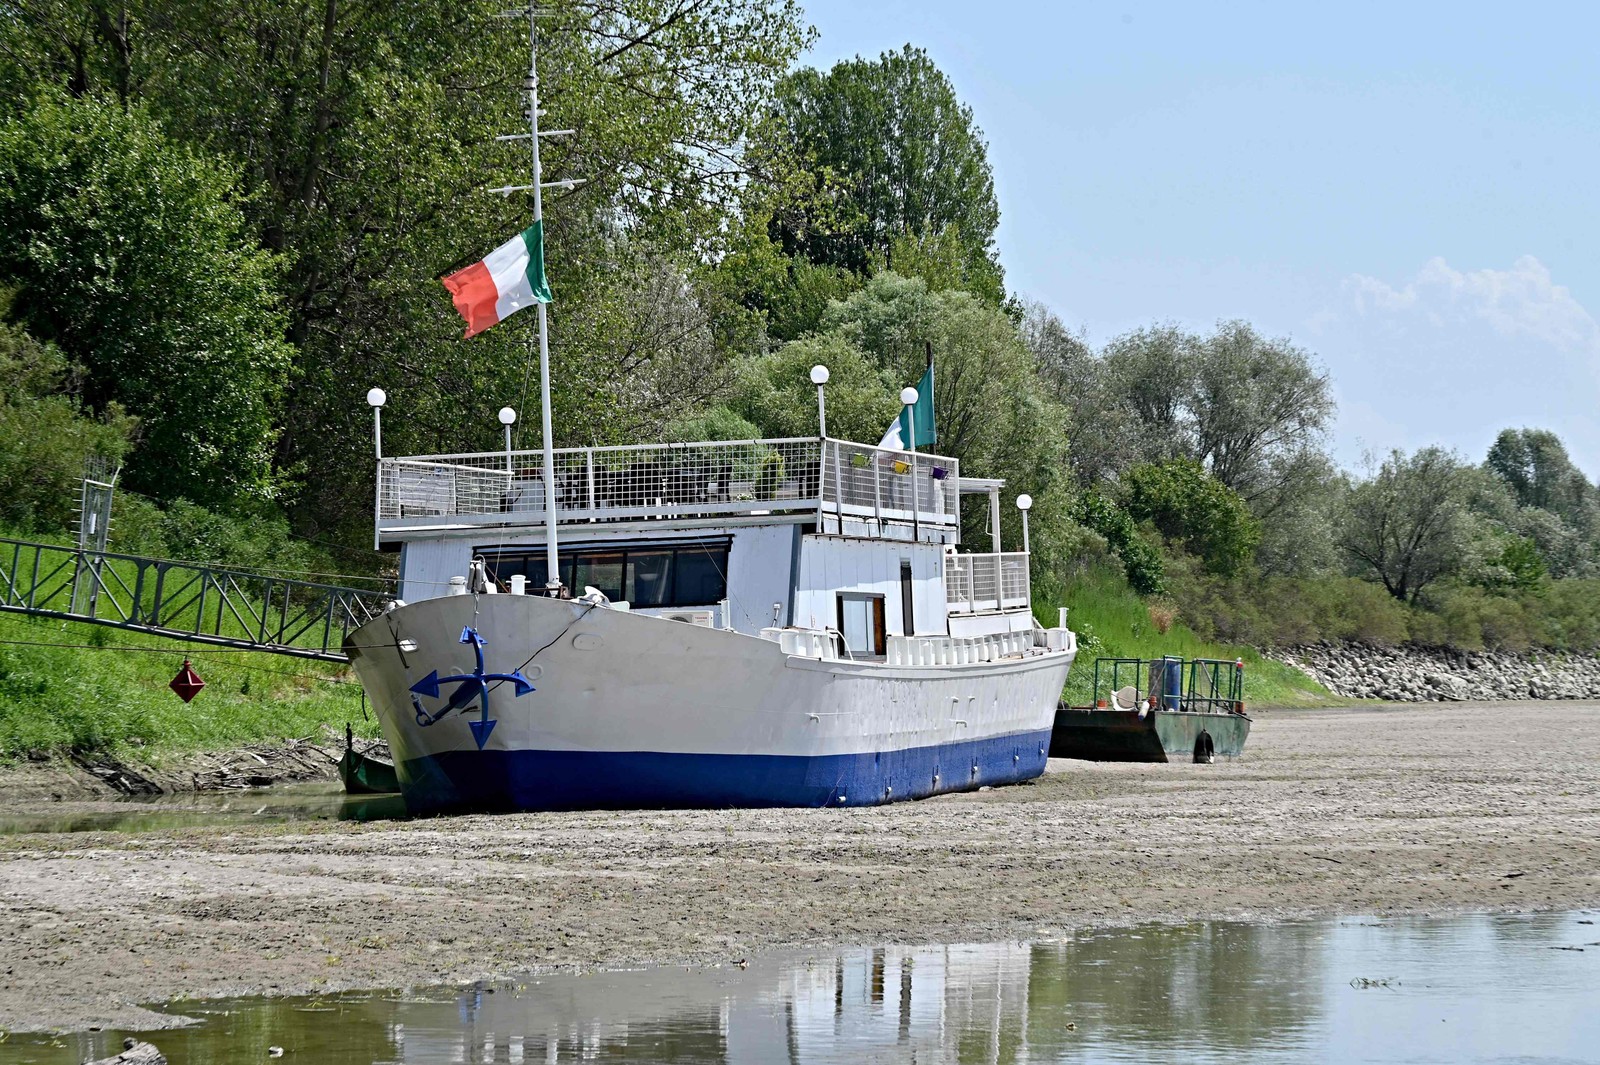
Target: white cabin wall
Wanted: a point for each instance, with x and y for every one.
(426, 567)
(760, 563)
(830, 565)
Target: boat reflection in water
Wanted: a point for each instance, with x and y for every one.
(1481, 988)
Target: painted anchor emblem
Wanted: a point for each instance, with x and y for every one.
(469, 686)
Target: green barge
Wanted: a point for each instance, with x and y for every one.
(1164, 710)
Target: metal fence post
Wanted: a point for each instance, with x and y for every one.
(588, 462)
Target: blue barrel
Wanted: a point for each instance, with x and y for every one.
(1166, 677)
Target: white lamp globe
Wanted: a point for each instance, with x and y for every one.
(819, 374)
(507, 416)
(377, 397)
(1024, 502)
(908, 395)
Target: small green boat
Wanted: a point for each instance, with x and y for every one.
(1170, 709)
(365, 774)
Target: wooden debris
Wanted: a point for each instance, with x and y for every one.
(135, 1053)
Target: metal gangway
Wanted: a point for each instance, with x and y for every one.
(185, 600)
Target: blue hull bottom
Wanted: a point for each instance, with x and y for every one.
(598, 780)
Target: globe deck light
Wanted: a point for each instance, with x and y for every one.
(819, 377)
(1024, 502)
(377, 397)
(908, 396)
(507, 416)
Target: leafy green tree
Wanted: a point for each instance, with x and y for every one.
(1141, 561)
(894, 173)
(364, 135)
(1193, 509)
(787, 295)
(1254, 411)
(130, 253)
(1535, 464)
(777, 393)
(45, 434)
(1408, 524)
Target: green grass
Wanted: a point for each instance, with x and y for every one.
(112, 694)
(1118, 622)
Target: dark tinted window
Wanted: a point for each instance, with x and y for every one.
(650, 578)
(682, 575)
(700, 576)
(602, 570)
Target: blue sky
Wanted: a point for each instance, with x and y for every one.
(1409, 191)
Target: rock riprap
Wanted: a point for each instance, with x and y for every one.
(1420, 675)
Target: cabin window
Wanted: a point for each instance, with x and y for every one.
(602, 570)
(649, 580)
(671, 575)
(861, 622)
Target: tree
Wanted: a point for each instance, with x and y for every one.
(130, 253)
(1104, 433)
(893, 173)
(364, 137)
(1195, 510)
(1406, 525)
(1141, 560)
(1535, 464)
(1253, 411)
(777, 394)
(45, 434)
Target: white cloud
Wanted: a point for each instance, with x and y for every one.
(1522, 302)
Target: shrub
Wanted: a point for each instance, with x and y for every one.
(1185, 505)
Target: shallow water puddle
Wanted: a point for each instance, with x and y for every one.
(316, 801)
(1460, 989)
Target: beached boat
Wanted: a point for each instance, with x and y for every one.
(769, 622)
(1169, 709)
(365, 771)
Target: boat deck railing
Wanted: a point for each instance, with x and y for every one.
(978, 584)
(797, 475)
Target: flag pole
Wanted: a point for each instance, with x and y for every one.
(551, 550)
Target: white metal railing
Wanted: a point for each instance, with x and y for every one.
(976, 584)
(655, 481)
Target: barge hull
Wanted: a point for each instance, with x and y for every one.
(1160, 736)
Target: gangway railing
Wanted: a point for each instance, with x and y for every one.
(185, 600)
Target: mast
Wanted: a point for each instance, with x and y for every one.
(551, 550)
(537, 187)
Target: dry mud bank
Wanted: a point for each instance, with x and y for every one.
(1383, 810)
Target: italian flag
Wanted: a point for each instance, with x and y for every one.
(510, 278)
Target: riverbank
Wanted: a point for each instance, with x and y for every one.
(1419, 675)
(1370, 810)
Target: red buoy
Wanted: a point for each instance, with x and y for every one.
(187, 683)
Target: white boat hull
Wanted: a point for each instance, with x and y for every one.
(632, 711)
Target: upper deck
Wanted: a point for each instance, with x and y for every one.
(785, 479)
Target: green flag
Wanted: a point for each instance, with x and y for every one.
(927, 436)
